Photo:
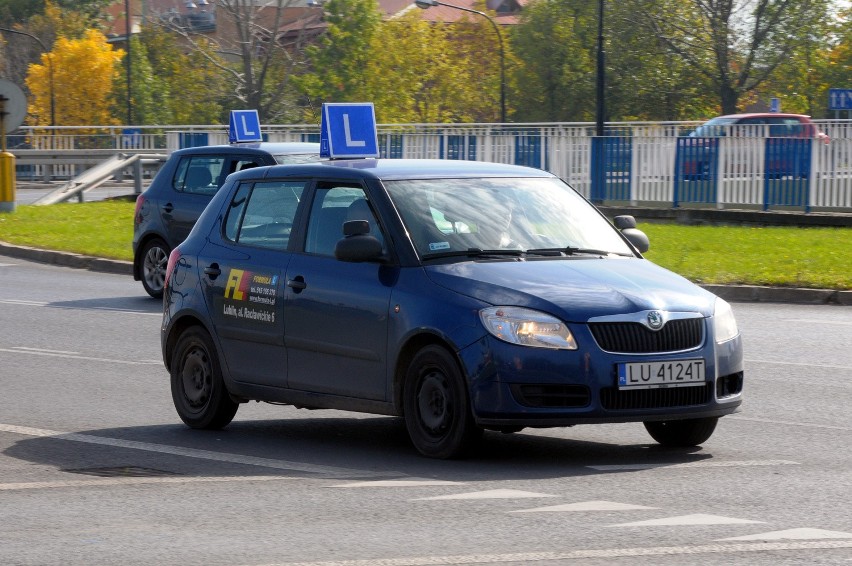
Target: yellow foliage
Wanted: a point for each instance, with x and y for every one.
(82, 72)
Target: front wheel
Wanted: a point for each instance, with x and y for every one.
(684, 433)
(198, 392)
(153, 261)
(435, 401)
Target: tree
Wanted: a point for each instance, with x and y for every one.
(735, 45)
(257, 47)
(83, 74)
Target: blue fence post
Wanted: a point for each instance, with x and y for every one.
(786, 172)
(696, 171)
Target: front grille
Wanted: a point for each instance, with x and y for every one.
(635, 338)
(552, 396)
(614, 399)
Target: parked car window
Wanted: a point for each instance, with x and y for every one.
(197, 174)
(263, 215)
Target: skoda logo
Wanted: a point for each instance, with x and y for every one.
(655, 320)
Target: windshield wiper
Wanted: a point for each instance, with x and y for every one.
(569, 250)
(473, 252)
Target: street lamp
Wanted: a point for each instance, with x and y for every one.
(49, 71)
(425, 4)
(127, 33)
(601, 67)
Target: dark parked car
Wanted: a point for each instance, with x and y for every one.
(462, 296)
(167, 210)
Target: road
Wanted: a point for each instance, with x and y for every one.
(30, 191)
(96, 468)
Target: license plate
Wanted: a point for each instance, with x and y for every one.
(648, 375)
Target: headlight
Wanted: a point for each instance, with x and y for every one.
(724, 323)
(527, 327)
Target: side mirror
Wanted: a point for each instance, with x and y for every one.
(357, 245)
(627, 225)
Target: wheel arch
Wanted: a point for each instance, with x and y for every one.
(137, 254)
(407, 352)
(175, 331)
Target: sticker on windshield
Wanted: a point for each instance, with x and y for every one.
(250, 296)
(436, 246)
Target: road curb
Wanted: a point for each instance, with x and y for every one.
(67, 259)
(733, 293)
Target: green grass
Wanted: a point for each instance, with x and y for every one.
(776, 256)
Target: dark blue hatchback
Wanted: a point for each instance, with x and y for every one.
(463, 296)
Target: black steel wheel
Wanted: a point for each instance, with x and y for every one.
(198, 392)
(153, 261)
(684, 433)
(436, 405)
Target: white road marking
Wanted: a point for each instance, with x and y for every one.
(586, 506)
(795, 534)
(71, 307)
(701, 464)
(103, 482)
(797, 364)
(73, 356)
(325, 471)
(683, 520)
(45, 350)
(490, 494)
(731, 548)
(398, 483)
(787, 423)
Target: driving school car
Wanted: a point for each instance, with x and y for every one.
(462, 296)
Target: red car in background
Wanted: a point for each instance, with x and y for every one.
(699, 155)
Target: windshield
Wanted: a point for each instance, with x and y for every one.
(513, 216)
(712, 129)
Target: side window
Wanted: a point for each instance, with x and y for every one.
(198, 174)
(263, 215)
(335, 204)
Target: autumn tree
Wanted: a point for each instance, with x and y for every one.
(734, 45)
(83, 74)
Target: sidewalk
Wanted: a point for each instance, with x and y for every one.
(733, 293)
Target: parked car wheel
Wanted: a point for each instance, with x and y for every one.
(198, 391)
(684, 433)
(437, 410)
(154, 258)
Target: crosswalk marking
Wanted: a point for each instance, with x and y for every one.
(585, 506)
(700, 464)
(398, 483)
(490, 494)
(696, 519)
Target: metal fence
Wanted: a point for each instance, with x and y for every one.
(656, 164)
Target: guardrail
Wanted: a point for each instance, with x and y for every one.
(636, 163)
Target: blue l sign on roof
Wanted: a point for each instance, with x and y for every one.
(348, 130)
(244, 126)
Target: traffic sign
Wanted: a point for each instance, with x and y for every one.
(244, 126)
(774, 105)
(840, 99)
(348, 130)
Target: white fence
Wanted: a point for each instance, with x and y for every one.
(636, 163)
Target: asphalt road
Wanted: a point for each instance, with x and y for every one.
(96, 468)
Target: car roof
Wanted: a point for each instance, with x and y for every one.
(394, 169)
(765, 115)
(271, 148)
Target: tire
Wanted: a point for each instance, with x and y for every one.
(152, 266)
(198, 392)
(436, 405)
(684, 433)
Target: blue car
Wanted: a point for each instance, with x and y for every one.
(462, 296)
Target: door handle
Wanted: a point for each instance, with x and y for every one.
(297, 284)
(168, 208)
(213, 271)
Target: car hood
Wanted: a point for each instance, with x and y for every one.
(575, 289)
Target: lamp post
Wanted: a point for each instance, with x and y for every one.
(49, 71)
(599, 80)
(425, 4)
(127, 33)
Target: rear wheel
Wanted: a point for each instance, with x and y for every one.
(437, 410)
(198, 392)
(153, 261)
(689, 432)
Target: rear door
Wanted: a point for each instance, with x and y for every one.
(243, 269)
(193, 185)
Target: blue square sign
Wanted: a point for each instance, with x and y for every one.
(244, 126)
(348, 130)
